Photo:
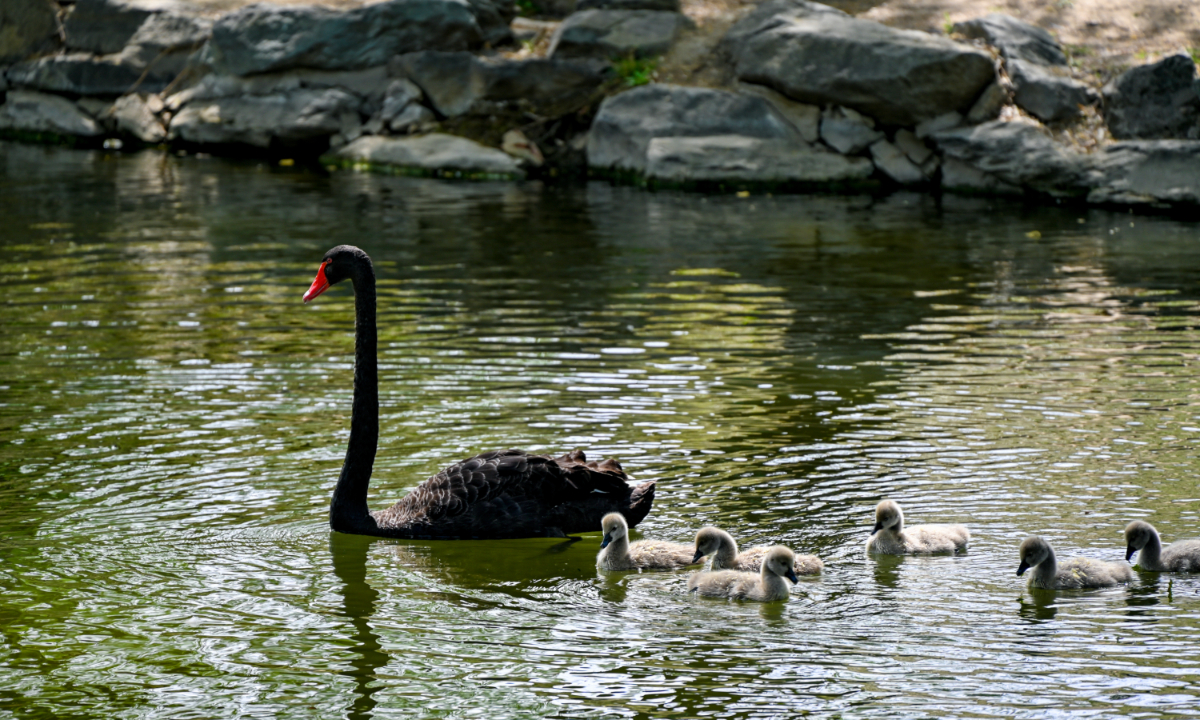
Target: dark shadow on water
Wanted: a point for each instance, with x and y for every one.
(349, 554)
(1040, 606)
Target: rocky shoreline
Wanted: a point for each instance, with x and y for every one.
(816, 99)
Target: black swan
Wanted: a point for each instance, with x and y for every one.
(498, 494)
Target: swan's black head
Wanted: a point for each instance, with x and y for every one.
(338, 264)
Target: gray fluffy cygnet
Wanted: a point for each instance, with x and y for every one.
(764, 586)
(1179, 556)
(616, 552)
(725, 556)
(1073, 574)
(890, 537)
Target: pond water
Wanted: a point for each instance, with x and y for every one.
(172, 420)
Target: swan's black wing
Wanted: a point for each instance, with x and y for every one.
(510, 493)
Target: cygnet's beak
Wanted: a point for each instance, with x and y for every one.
(604, 543)
(697, 557)
(877, 528)
(1023, 567)
(791, 575)
(1129, 552)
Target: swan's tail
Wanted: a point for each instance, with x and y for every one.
(640, 501)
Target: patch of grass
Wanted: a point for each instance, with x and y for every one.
(1195, 53)
(947, 24)
(527, 8)
(635, 71)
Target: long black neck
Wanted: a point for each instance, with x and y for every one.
(348, 510)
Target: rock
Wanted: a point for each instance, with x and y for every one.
(805, 118)
(912, 146)
(494, 18)
(515, 143)
(626, 123)
(1014, 39)
(991, 101)
(461, 83)
(256, 120)
(938, 124)
(961, 177)
(370, 84)
(400, 94)
(663, 5)
(165, 43)
(1018, 153)
(1046, 95)
(414, 114)
(615, 33)
(429, 154)
(35, 112)
(82, 74)
(815, 54)
(737, 158)
(26, 27)
(846, 131)
(104, 27)
(1159, 100)
(892, 162)
(100, 110)
(262, 38)
(135, 117)
(1160, 173)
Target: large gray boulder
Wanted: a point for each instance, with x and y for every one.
(34, 112)
(369, 84)
(1016, 40)
(1047, 92)
(433, 154)
(1019, 153)
(626, 123)
(157, 51)
(258, 120)
(608, 34)
(816, 54)
(1159, 173)
(1159, 100)
(26, 27)
(461, 83)
(262, 38)
(106, 26)
(82, 74)
(741, 159)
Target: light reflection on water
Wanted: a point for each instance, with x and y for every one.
(172, 419)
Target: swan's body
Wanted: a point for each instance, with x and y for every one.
(725, 556)
(767, 585)
(890, 537)
(1179, 556)
(617, 553)
(498, 494)
(1073, 574)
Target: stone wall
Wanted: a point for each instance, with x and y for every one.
(816, 98)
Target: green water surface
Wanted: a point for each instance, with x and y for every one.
(172, 420)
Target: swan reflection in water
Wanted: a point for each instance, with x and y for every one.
(349, 554)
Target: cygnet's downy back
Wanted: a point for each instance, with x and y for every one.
(1179, 556)
(1074, 574)
(617, 553)
(890, 537)
(765, 586)
(725, 555)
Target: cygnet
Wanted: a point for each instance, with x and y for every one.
(1073, 574)
(616, 552)
(725, 556)
(764, 586)
(890, 537)
(1179, 556)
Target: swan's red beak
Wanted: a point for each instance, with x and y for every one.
(319, 285)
